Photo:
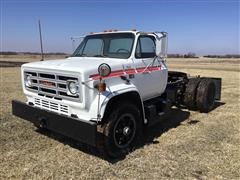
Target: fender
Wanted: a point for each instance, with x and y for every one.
(112, 93)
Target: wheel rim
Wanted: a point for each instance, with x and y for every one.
(124, 130)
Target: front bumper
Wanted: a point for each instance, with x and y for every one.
(77, 129)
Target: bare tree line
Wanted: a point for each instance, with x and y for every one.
(29, 53)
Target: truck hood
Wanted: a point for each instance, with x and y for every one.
(76, 64)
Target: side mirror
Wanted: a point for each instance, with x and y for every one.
(161, 44)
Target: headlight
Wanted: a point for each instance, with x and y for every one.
(28, 81)
(72, 87)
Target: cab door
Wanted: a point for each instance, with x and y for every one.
(151, 77)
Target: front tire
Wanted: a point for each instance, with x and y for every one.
(122, 130)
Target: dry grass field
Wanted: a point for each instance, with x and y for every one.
(28, 58)
(186, 145)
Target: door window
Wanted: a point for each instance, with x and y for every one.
(145, 47)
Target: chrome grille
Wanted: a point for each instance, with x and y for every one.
(45, 104)
(51, 85)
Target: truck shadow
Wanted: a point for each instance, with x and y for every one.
(172, 120)
(218, 104)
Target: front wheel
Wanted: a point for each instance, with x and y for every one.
(122, 130)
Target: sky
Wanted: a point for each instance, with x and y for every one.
(201, 26)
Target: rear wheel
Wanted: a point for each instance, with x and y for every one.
(121, 130)
(190, 93)
(206, 93)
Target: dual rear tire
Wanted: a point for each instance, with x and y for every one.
(200, 94)
(206, 93)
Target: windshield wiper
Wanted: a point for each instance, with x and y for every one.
(80, 55)
(99, 55)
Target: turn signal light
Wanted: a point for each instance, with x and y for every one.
(101, 87)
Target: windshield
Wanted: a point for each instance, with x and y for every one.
(114, 45)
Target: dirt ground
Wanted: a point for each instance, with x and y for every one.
(186, 145)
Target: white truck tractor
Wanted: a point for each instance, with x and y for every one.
(114, 85)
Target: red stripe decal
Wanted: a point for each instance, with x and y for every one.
(128, 71)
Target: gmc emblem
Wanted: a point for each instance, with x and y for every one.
(47, 83)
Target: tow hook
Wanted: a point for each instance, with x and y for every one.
(42, 122)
